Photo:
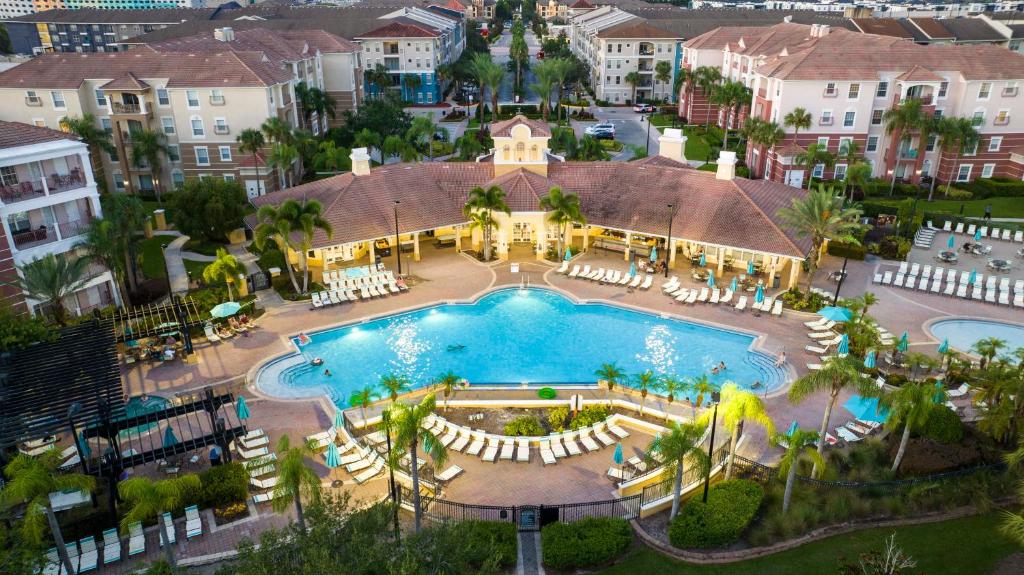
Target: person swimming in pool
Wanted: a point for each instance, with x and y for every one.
(327, 372)
(456, 347)
(317, 361)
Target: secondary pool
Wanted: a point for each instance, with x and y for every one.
(963, 333)
(513, 336)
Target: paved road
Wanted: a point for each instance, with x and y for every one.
(629, 129)
(499, 53)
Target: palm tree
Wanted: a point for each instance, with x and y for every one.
(275, 224)
(104, 245)
(281, 158)
(702, 389)
(1013, 523)
(147, 145)
(816, 154)
(277, 130)
(412, 82)
(674, 445)
(495, 76)
(226, 268)
(730, 96)
(314, 100)
(519, 52)
(910, 405)
(30, 481)
(589, 149)
(423, 130)
(562, 69)
(820, 216)
(798, 119)
(835, 375)
(93, 136)
(764, 134)
(448, 382)
(547, 79)
(251, 141)
(381, 77)
(368, 139)
(739, 407)
(280, 224)
(670, 386)
(957, 134)
(468, 147)
(307, 220)
(394, 384)
(363, 397)
(410, 433)
(611, 375)
(644, 382)
(663, 72)
(295, 479)
(987, 348)
(857, 176)
(706, 78)
(798, 445)
(487, 201)
(443, 73)
(332, 158)
(480, 69)
(906, 117)
(633, 79)
(52, 279)
(127, 216)
(151, 499)
(564, 209)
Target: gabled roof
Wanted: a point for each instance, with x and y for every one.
(126, 82)
(932, 28)
(919, 74)
(396, 29)
(504, 127)
(581, 5)
(16, 134)
(882, 26)
(641, 30)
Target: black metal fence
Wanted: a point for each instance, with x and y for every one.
(258, 281)
(691, 475)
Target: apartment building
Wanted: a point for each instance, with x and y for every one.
(847, 81)
(47, 199)
(411, 45)
(199, 101)
(474, 9)
(15, 8)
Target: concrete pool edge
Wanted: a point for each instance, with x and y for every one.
(926, 327)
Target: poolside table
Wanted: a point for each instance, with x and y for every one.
(999, 265)
(947, 256)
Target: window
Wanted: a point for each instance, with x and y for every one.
(32, 99)
(197, 128)
(216, 97)
(192, 97)
(8, 176)
(849, 118)
(978, 118)
(1010, 90)
(202, 156)
(844, 145)
(1015, 45)
(1002, 118)
(840, 172)
(984, 90)
(830, 90)
(162, 98)
(819, 171)
(826, 118)
(972, 150)
(943, 88)
(229, 177)
(225, 153)
(882, 90)
(987, 170)
(930, 146)
(145, 182)
(823, 141)
(107, 126)
(220, 126)
(995, 143)
(872, 145)
(101, 99)
(173, 153)
(877, 117)
(168, 124)
(937, 114)
(854, 92)
(58, 100)
(963, 173)
(118, 181)
(177, 179)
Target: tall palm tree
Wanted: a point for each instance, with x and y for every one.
(730, 97)
(127, 216)
(611, 374)
(295, 479)
(410, 433)
(53, 278)
(910, 405)
(104, 245)
(857, 176)
(277, 130)
(313, 99)
(332, 158)
(547, 79)
(564, 209)
(798, 119)
(480, 69)
(412, 82)
(633, 79)
(681, 441)
(816, 154)
(707, 78)
(956, 134)
(448, 382)
(644, 382)
(150, 499)
(562, 69)
(380, 77)
(468, 147)
(663, 72)
(820, 215)
(799, 445)
(251, 141)
(363, 397)
(495, 76)
(835, 375)
(487, 201)
(988, 348)
(901, 121)
(519, 52)
(282, 157)
(394, 384)
(423, 130)
(93, 136)
(226, 268)
(30, 481)
(399, 147)
(147, 146)
(765, 135)
(737, 408)
(307, 220)
(671, 385)
(276, 224)
(702, 388)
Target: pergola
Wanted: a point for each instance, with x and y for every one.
(181, 314)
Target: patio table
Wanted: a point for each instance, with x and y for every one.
(999, 265)
(947, 256)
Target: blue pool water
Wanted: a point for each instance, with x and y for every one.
(963, 333)
(514, 336)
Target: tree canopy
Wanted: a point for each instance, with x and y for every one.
(208, 209)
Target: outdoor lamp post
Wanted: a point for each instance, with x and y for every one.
(648, 147)
(715, 397)
(668, 239)
(839, 286)
(398, 241)
(892, 184)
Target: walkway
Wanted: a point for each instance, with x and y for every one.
(529, 554)
(176, 274)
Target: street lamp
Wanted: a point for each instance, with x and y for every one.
(648, 148)
(839, 286)
(668, 239)
(715, 397)
(398, 241)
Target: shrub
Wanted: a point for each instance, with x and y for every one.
(557, 418)
(224, 484)
(993, 187)
(585, 543)
(482, 540)
(524, 425)
(797, 300)
(944, 426)
(890, 248)
(743, 171)
(843, 250)
(730, 508)
(590, 415)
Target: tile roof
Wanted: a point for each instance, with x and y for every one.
(398, 29)
(635, 29)
(692, 23)
(932, 28)
(581, 5)
(280, 45)
(882, 27)
(15, 134)
(252, 161)
(102, 16)
(973, 30)
(919, 74)
(504, 127)
(126, 82)
(225, 69)
(631, 196)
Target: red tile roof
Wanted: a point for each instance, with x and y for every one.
(15, 134)
(126, 82)
(399, 30)
(581, 4)
(633, 29)
(932, 28)
(504, 128)
(251, 161)
(919, 74)
(882, 26)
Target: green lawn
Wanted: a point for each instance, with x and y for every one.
(150, 205)
(1001, 207)
(962, 546)
(203, 247)
(194, 268)
(152, 255)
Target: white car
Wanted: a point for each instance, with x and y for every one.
(600, 128)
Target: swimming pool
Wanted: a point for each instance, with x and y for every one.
(963, 333)
(513, 336)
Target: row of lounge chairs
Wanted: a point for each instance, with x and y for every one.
(856, 430)
(674, 289)
(215, 333)
(609, 276)
(994, 233)
(363, 463)
(253, 448)
(990, 289)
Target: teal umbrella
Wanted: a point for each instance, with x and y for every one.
(750, 267)
(225, 309)
(937, 398)
(866, 409)
(833, 313)
(792, 428)
(973, 277)
(617, 456)
(703, 260)
(632, 270)
(711, 280)
(339, 420)
(869, 360)
(241, 408)
(904, 342)
(83, 445)
(568, 253)
(734, 284)
(654, 254)
(331, 458)
(977, 235)
(944, 346)
(951, 242)
(844, 345)
(759, 294)
(169, 438)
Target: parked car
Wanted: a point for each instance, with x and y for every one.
(603, 134)
(602, 129)
(644, 108)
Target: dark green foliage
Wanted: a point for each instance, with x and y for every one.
(590, 415)
(484, 540)
(944, 426)
(585, 543)
(223, 484)
(994, 187)
(20, 330)
(385, 117)
(208, 209)
(731, 507)
(852, 251)
(526, 425)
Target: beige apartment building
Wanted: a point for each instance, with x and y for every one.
(199, 101)
(846, 81)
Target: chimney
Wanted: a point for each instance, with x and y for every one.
(225, 34)
(787, 19)
(823, 30)
(361, 162)
(672, 145)
(726, 165)
(814, 30)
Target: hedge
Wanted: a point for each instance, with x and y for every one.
(482, 540)
(585, 543)
(944, 426)
(526, 425)
(993, 187)
(223, 484)
(842, 250)
(731, 507)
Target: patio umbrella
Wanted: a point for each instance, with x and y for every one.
(331, 458)
(904, 342)
(617, 456)
(750, 267)
(225, 309)
(759, 294)
(833, 313)
(869, 360)
(977, 235)
(632, 269)
(944, 346)
(711, 280)
(703, 260)
(241, 408)
(866, 409)
(951, 242)
(792, 428)
(734, 284)
(844, 345)
(568, 253)
(654, 254)
(169, 437)
(937, 398)
(973, 277)
(83, 445)
(339, 420)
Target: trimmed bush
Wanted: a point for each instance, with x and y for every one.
(590, 415)
(993, 187)
(842, 250)
(585, 543)
(731, 507)
(944, 426)
(224, 484)
(526, 425)
(482, 540)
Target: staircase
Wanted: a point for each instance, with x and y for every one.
(924, 238)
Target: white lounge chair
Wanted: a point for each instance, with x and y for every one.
(959, 228)
(168, 524)
(546, 455)
(507, 449)
(636, 281)
(523, 450)
(742, 303)
(715, 295)
(887, 278)
(477, 445)
(960, 391)
(111, 546)
(575, 271)
(89, 554)
(448, 474)
(618, 473)
(587, 441)
(136, 539)
(461, 441)
(370, 473)
(570, 444)
(491, 453)
(254, 442)
(556, 447)
(726, 297)
(211, 335)
(777, 308)
(193, 523)
(647, 282)
(703, 295)
(599, 433)
(618, 431)
(563, 268)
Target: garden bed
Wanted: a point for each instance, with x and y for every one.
(230, 513)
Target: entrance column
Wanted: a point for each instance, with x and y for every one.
(416, 246)
(541, 247)
(771, 270)
(794, 273)
(721, 260)
(373, 252)
(458, 239)
(629, 243)
(586, 237)
(672, 254)
(567, 240)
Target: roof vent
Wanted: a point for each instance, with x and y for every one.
(788, 19)
(225, 34)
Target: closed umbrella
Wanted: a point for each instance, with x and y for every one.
(83, 445)
(904, 342)
(750, 267)
(703, 260)
(654, 254)
(711, 280)
(169, 438)
(331, 458)
(568, 253)
(759, 294)
(734, 284)
(870, 359)
(225, 309)
(632, 269)
(241, 408)
(973, 277)
(977, 235)
(844, 345)
(944, 346)
(792, 428)
(951, 242)
(617, 456)
(339, 420)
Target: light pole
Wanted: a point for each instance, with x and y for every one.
(839, 286)
(648, 147)
(398, 241)
(668, 239)
(715, 397)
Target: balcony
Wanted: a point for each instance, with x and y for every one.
(129, 109)
(925, 99)
(26, 239)
(826, 121)
(72, 229)
(221, 130)
(35, 102)
(216, 100)
(1001, 120)
(25, 184)
(830, 92)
